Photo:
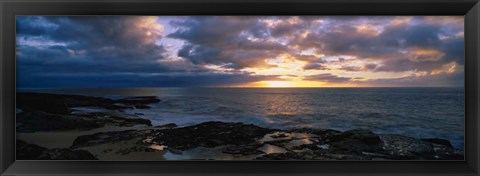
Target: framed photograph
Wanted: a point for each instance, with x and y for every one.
(239, 87)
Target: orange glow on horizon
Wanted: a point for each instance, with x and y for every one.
(278, 83)
(294, 84)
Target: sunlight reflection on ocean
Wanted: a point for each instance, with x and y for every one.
(416, 112)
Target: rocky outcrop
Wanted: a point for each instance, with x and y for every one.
(403, 147)
(34, 152)
(354, 141)
(209, 134)
(240, 139)
(32, 121)
(62, 104)
(49, 112)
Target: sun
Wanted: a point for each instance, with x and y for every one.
(278, 84)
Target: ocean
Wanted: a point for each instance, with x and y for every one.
(415, 112)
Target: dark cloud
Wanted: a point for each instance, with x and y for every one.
(136, 80)
(102, 37)
(366, 67)
(454, 80)
(454, 50)
(369, 66)
(327, 77)
(314, 66)
(422, 35)
(84, 45)
(224, 40)
(212, 31)
(351, 68)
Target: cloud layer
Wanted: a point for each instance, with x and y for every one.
(183, 51)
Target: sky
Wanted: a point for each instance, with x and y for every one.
(239, 51)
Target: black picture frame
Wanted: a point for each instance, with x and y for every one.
(10, 8)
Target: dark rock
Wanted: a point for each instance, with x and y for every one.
(30, 151)
(34, 152)
(61, 104)
(403, 147)
(249, 149)
(167, 126)
(49, 112)
(147, 149)
(281, 156)
(131, 121)
(142, 106)
(306, 146)
(309, 155)
(67, 154)
(49, 103)
(439, 141)
(312, 155)
(135, 148)
(57, 103)
(347, 156)
(244, 139)
(106, 138)
(148, 132)
(32, 121)
(210, 134)
(280, 135)
(362, 135)
(355, 141)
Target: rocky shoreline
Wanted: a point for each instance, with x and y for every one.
(50, 112)
(213, 140)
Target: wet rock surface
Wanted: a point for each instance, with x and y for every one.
(209, 134)
(238, 139)
(355, 141)
(50, 112)
(34, 152)
(404, 147)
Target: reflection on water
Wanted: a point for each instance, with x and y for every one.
(268, 149)
(158, 147)
(290, 140)
(283, 136)
(298, 142)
